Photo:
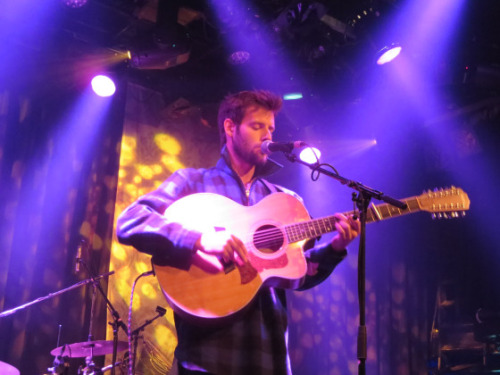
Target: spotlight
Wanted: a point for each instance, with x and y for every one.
(103, 86)
(388, 53)
(293, 96)
(310, 155)
(74, 3)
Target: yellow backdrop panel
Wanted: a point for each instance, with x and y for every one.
(157, 140)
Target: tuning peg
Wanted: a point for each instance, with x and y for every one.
(445, 215)
(434, 217)
(463, 213)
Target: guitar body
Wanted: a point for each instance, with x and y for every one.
(207, 290)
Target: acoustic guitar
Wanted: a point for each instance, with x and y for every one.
(274, 232)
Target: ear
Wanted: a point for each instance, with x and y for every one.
(229, 128)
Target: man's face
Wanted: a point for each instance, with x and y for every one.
(256, 127)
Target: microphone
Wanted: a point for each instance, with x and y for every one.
(268, 147)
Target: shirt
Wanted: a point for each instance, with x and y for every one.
(256, 341)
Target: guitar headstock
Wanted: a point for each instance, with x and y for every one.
(444, 203)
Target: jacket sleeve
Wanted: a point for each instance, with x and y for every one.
(321, 261)
(143, 226)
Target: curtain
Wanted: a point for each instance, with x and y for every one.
(58, 178)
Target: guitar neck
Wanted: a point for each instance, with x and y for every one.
(317, 227)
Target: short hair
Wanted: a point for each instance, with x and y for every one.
(234, 107)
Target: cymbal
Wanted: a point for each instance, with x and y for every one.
(6, 369)
(84, 349)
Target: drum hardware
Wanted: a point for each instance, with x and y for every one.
(60, 365)
(88, 349)
(487, 331)
(109, 367)
(92, 348)
(6, 369)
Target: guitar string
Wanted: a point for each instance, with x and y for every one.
(293, 232)
(310, 229)
(299, 227)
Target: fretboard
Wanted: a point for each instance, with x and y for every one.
(317, 227)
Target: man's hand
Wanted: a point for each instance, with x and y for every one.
(224, 245)
(347, 230)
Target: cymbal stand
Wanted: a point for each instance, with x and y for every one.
(60, 364)
(89, 361)
(89, 368)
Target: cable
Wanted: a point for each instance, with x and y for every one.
(315, 173)
(131, 354)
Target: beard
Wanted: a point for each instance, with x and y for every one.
(246, 152)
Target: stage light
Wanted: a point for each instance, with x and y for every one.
(158, 59)
(310, 155)
(293, 96)
(388, 53)
(74, 3)
(103, 86)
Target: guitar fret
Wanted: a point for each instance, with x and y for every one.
(412, 205)
(291, 233)
(310, 229)
(314, 228)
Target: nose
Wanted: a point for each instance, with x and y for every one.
(268, 136)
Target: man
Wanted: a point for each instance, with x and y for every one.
(255, 342)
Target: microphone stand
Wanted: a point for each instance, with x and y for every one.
(51, 295)
(362, 200)
(135, 333)
(117, 322)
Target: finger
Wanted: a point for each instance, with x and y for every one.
(227, 252)
(235, 256)
(341, 226)
(240, 248)
(352, 226)
(349, 231)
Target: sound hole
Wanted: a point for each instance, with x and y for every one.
(268, 239)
